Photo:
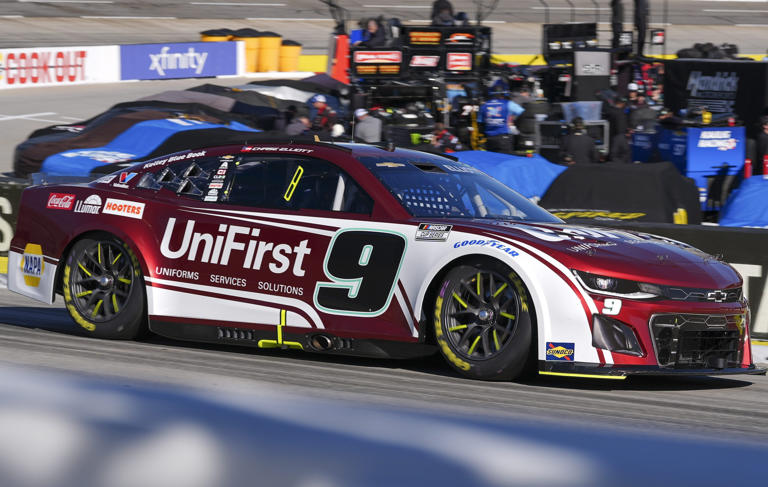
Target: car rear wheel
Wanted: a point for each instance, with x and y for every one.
(482, 321)
(103, 290)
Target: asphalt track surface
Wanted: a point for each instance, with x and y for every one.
(734, 408)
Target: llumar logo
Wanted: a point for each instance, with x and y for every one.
(560, 351)
(234, 241)
(32, 264)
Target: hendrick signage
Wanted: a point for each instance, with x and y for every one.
(178, 60)
(720, 86)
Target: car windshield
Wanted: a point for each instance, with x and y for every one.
(433, 186)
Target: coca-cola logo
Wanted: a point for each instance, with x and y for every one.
(362, 57)
(61, 201)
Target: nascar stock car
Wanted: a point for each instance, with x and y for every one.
(370, 251)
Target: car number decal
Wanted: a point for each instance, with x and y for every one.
(363, 265)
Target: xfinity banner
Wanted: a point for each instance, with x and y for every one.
(188, 60)
(739, 87)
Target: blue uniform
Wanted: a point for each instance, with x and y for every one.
(495, 114)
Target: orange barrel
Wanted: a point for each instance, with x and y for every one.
(252, 40)
(289, 55)
(216, 35)
(269, 51)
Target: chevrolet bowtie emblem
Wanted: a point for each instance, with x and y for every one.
(717, 296)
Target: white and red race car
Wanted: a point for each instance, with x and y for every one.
(354, 249)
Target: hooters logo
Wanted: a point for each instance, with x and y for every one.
(378, 57)
(129, 209)
(459, 61)
(60, 201)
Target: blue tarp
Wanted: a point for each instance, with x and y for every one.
(529, 176)
(136, 142)
(747, 206)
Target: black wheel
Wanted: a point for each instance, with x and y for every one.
(483, 321)
(103, 289)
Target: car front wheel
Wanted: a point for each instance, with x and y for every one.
(482, 320)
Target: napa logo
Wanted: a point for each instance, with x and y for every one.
(560, 351)
(32, 264)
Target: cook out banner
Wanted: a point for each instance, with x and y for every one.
(49, 66)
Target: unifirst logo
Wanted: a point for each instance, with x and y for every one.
(234, 240)
(177, 60)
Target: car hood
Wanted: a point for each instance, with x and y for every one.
(617, 253)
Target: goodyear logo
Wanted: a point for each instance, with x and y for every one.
(560, 351)
(32, 264)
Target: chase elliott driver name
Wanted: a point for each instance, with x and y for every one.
(230, 241)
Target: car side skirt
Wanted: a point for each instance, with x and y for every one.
(317, 341)
(597, 371)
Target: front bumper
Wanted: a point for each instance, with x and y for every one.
(597, 371)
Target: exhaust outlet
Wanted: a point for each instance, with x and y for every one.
(322, 342)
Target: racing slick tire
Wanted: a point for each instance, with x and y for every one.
(103, 288)
(483, 321)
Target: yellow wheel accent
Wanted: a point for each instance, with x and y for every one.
(96, 308)
(478, 280)
(474, 344)
(116, 258)
(114, 304)
(87, 272)
(496, 340)
(124, 280)
(457, 328)
(461, 301)
(507, 315)
(499, 290)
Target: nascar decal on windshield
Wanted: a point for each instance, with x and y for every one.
(433, 232)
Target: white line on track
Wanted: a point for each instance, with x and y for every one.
(239, 4)
(397, 6)
(31, 117)
(11, 16)
(65, 1)
(574, 8)
(288, 18)
(733, 11)
(124, 17)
